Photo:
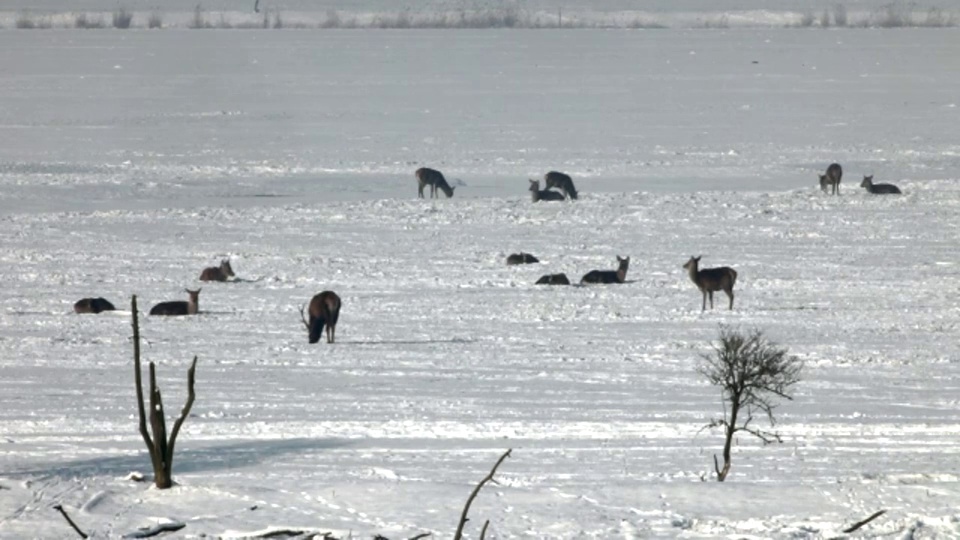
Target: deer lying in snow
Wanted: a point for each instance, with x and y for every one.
(521, 258)
(879, 189)
(179, 307)
(608, 276)
(92, 305)
(709, 280)
(324, 311)
(218, 273)
(543, 195)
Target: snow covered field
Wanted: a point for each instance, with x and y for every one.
(128, 162)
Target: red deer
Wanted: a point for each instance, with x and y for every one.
(324, 311)
(879, 189)
(92, 305)
(521, 258)
(218, 273)
(553, 279)
(545, 195)
(832, 178)
(563, 182)
(179, 307)
(608, 276)
(434, 179)
(709, 280)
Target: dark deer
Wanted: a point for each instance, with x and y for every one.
(608, 276)
(434, 179)
(218, 273)
(521, 258)
(879, 189)
(545, 195)
(832, 179)
(553, 279)
(92, 305)
(179, 307)
(563, 182)
(709, 280)
(324, 311)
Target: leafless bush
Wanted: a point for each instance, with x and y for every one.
(25, 21)
(937, 18)
(332, 19)
(277, 20)
(752, 373)
(154, 20)
(840, 15)
(122, 18)
(894, 15)
(82, 20)
(806, 20)
(825, 19)
(199, 20)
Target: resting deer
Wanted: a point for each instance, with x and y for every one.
(608, 276)
(218, 273)
(553, 279)
(434, 179)
(92, 305)
(545, 195)
(832, 178)
(879, 189)
(521, 258)
(324, 311)
(563, 182)
(709, 280)
(179, 307)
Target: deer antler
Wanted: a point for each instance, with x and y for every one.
(302, 318)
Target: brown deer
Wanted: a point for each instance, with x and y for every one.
(434, 179)
(92, 305)
(521, 258)
(832, 178)
(179, 307)
(709, 280)
(543, 195)
(608, 276)
(553, 279)
(879, 189)
(218, 273)
(324, 311)
(563, 182)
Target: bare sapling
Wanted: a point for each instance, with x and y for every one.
(561, 181)
(458, 535)
(710, 280)
(160, 446)
(218, 273)
(608, 276)
(434, 179)
(536, 194)
(179, 307)
(879, 189)
(752, 373)
(831, 181)
(324, 310)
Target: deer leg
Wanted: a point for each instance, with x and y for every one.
(730, 294)
(704, 306)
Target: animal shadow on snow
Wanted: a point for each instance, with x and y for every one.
(187, 459)
(372, 343)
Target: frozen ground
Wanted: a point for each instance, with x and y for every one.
(130, 162)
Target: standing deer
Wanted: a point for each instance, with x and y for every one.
(218, 273)
(879, 189)
(92, 305)
(179, 307)
(563, 182)
(545, 195)
(608, 276)
(324, 311)
(709, 280)
(434, 179)
(832, 178)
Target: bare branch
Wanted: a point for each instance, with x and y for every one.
(70, 521)
(137, 376)
(483, 531)
(191, 396)
(466, 507)
(859, 524)
(420, 536)
(303, 318)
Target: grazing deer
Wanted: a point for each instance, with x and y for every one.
(179, 307)
(218, 273)
(545, 195)
(92, 305)
(521, 258)
(563, 182)
(608, 276)
(832, 178)
(324, 311)
(434, 179)
(553, 279)
(709, 280)
(879, 189)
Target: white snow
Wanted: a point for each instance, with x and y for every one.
(293, 155)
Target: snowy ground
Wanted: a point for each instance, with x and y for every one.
(129, 162)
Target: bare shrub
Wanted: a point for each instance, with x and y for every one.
(82, 20)
(277, 20)
(806, 20)
(894, 15)
(122, 18)
(154, 20)
(840, 15)
(752, 372)
(825, 19)
(332, 19)
(223, 22)
(199, 20)
(937, 18)
(26, 21)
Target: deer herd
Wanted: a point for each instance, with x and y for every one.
(324, 308)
